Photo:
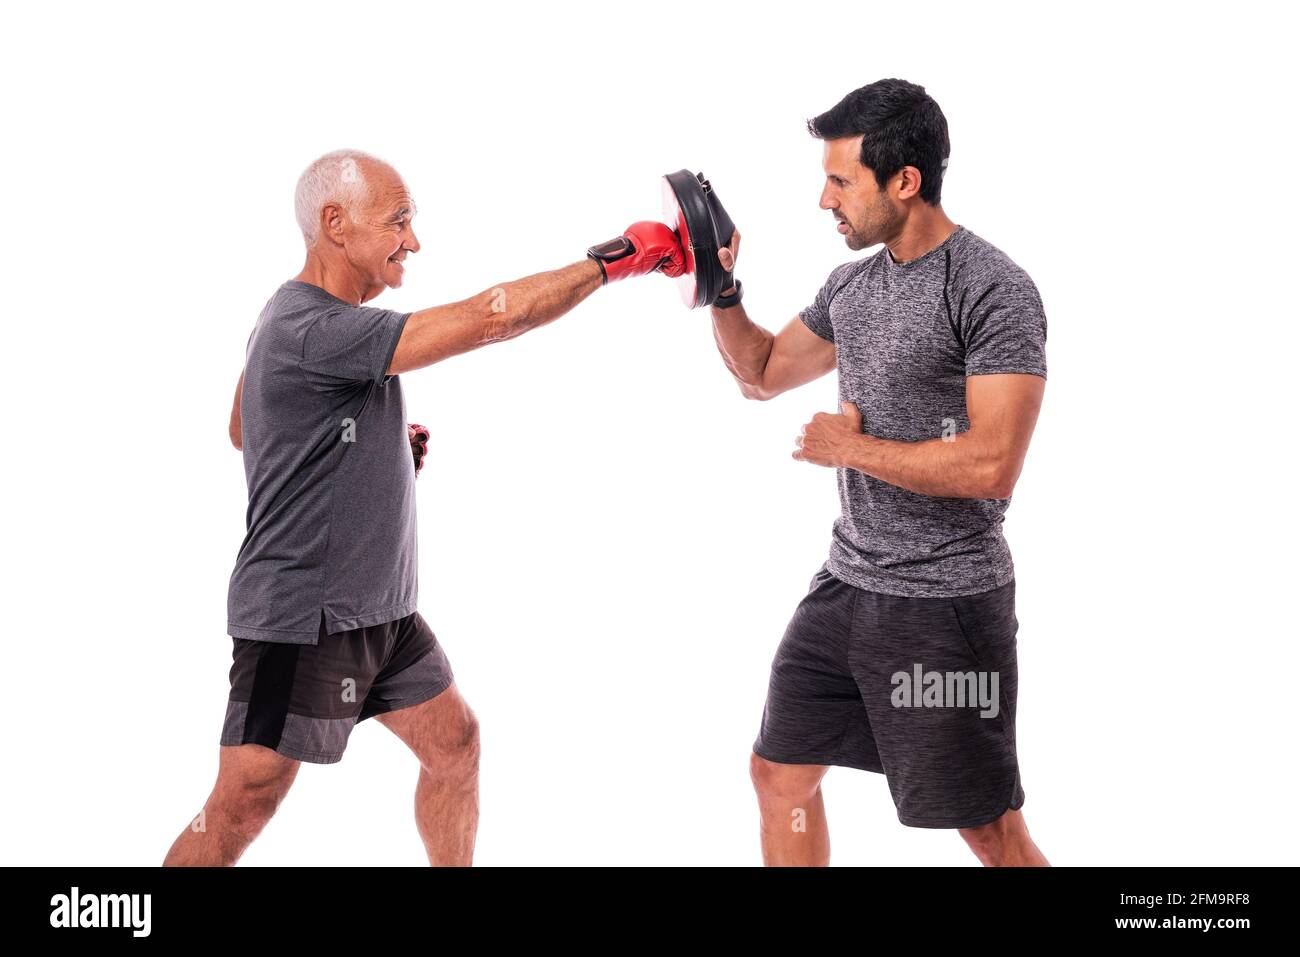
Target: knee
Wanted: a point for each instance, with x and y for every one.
(250, 804)
(467, 745)
(786, 783)
(456, 753)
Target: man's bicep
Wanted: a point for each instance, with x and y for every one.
(440, 332)
(798, 356)
(1004, 407)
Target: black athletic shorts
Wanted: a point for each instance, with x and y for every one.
(303, 700)
(922, 690)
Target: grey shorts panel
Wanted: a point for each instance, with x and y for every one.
(835, 699)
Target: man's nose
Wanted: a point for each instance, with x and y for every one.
(826, 201)
(412, 244)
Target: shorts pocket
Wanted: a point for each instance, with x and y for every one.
(973, 627)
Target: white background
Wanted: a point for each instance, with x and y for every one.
(611, 539)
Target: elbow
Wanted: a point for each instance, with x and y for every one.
(998, 481)
(500, 328)
(757, 392)
(1001, 490)
(503, 315)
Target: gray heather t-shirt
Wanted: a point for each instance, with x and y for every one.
(331, 486)
(906, 337)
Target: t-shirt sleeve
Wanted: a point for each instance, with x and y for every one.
(817, 316)
(351, 344)
(1006, 329)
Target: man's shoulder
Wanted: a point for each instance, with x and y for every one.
(285, 320)
(295, 308)
(980, 265)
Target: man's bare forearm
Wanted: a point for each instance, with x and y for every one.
(745, 348)
(503, 312)
(959, 467)
(514, 308)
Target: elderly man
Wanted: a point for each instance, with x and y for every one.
(322, 600)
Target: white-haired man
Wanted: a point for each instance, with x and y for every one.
(322, 600)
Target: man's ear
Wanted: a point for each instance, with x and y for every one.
(333, 221)
(909, 182)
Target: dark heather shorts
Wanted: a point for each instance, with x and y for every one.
(833, 697)
(302, 700)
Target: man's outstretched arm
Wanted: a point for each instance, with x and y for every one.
(494, 315)
(512, 308)
(982, 462)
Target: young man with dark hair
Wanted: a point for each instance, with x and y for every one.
(901, 659)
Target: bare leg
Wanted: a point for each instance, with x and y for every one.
(1004, 843)
(443, 733)
(792, 815)
(252, 780)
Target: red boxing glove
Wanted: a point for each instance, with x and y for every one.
(645, 247)
(418, 436)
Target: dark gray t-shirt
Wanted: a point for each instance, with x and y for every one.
(906, 337)
(331, 485)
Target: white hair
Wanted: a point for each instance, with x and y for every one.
(336, 177)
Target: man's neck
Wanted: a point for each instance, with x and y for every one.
(923, 231)
(337, 281)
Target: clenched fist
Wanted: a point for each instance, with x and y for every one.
(418, 436)
(830, 439)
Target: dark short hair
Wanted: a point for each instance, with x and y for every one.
(901, 125)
